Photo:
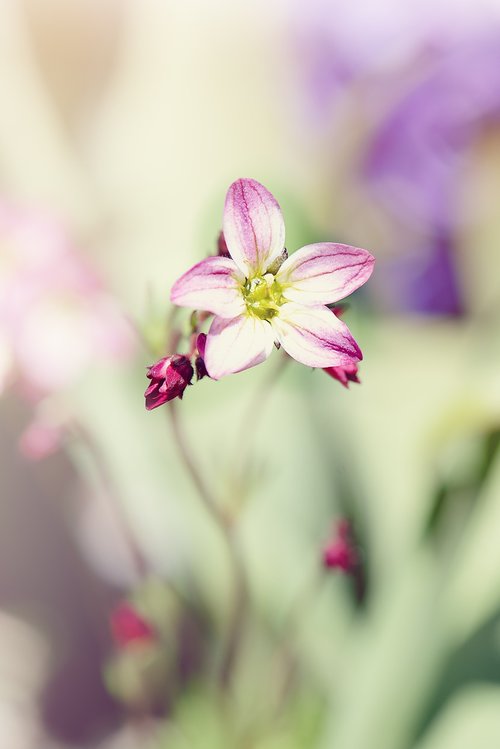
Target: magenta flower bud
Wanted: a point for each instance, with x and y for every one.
(341, 553)
(344, 374)
(222, 250)
(129, 627)
(199, 364)
(169, 378)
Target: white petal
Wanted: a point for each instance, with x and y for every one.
(315, 336)
(213, 285)
(325, 272)
(237, 344)
(254, 229)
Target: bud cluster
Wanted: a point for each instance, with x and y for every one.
(171, 375)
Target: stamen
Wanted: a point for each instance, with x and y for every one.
(263, 296)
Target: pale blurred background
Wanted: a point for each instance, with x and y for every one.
(122, 124)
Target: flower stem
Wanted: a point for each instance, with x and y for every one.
(253, 413)
(139, 562)
(228, 532)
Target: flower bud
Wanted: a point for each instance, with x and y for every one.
(169, 378)
(222, 249)
(349, 372)
(345, 374)
(341, 553)
(201, 370)
(129, 627)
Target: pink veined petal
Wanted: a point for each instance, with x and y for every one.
(213, 285)
(325, 272)
(254, 229)
(314, 336)
(238, 344)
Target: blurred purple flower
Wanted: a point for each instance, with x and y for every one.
(415, 162)
(422, 105)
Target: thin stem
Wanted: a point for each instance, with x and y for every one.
(139, 562)
(198, 480)
(222, 521)
(290, 629)
(253, 412)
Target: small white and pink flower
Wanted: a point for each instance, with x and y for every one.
(261, 297)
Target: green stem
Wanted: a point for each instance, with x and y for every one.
(250, 422)
(227, 530)
(139, 561)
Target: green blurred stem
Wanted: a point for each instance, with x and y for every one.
(228, 532)
(122, 521)
(254, 412)
(290, 629)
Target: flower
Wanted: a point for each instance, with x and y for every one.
(341, 553)
(169, 378)
(260, 297)
(40, 439)
(56, 316)
(129, 627)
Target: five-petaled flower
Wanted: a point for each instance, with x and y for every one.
(260, 297)
(169, 378)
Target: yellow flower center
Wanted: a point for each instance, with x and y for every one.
(263, 296)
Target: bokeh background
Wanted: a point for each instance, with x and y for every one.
(122, 123)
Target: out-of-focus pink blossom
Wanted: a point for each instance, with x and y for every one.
(341, 553)
(55, 314)
(169, 378)
(40, 439)
(260, 297)
(129, 627)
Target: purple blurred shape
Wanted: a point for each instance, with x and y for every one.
(415, 163)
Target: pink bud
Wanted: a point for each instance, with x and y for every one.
(349, 372)
(345, 374)
(222, 249)
(201, 370)
(341, 552)
(169, 378)
(129, 627)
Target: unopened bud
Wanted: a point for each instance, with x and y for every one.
(169, 378)
(129, 627)
(341, 552)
